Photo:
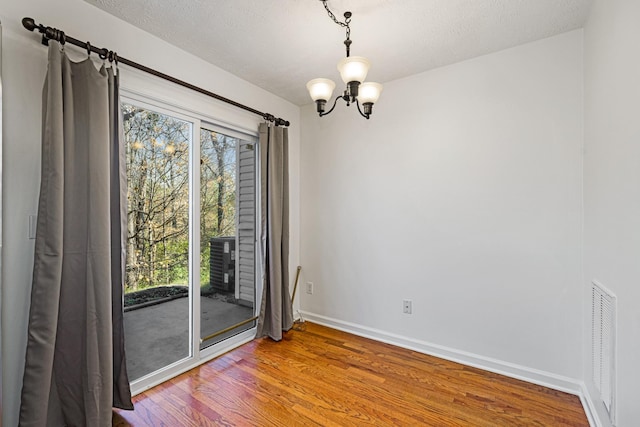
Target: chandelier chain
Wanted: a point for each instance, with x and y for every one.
(346, 22)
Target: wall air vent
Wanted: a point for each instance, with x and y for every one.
(603, 328)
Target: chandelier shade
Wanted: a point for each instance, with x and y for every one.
(321, 89)
(353, 69)
(369, 92)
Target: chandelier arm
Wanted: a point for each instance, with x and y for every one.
(332, 108)
(366, 116)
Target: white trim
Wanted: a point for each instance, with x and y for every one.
(196, 355)
(158, 377)
(604, 288)
(589, 407)
(208, 124)
(128, 97)
(138, 84)
(512, 370)
(195, 314)
(236, 290)
(258, 247)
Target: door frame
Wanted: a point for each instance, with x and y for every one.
(197, 357)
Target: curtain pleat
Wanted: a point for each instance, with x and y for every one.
(276, 312)
(75, 368)
(118, 196)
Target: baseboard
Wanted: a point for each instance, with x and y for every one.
(590, 407)
(535, 376)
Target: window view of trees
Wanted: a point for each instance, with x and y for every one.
(158, 198)
(217, 192)
(157, 151)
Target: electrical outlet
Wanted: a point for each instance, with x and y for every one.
(406, 306)
(310, 288)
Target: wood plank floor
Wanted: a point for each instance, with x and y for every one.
(324, 377)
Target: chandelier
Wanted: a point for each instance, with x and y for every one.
(353, 70)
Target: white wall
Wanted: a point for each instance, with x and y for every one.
(463, 194)
(612, 186)
(24, 66)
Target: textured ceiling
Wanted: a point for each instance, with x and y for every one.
(281, 44)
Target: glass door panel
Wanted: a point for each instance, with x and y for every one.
(227, 236)
(157, 322)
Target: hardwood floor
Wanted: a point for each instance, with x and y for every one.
(321, 376)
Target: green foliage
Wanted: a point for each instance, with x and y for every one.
(158, 196)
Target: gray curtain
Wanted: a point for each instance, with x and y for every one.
(75, 366)
(276, 312)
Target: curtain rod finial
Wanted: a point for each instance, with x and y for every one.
(29, 23)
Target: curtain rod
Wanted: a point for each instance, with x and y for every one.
(49, 33)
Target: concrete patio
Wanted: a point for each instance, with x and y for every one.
(158, 335)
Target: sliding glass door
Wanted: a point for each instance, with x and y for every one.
(227, 235)
(191, 239)
(157, 322)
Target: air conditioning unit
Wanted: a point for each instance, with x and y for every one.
(222, 264)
